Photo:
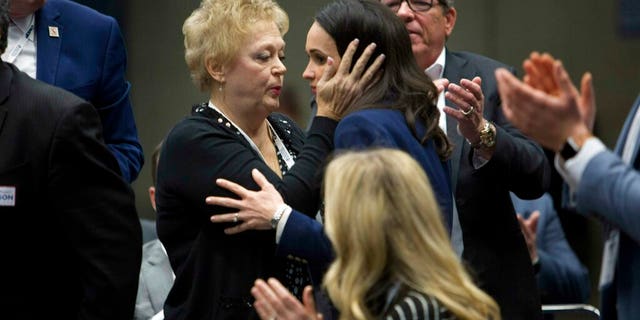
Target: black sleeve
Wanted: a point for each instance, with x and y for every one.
(199, 151)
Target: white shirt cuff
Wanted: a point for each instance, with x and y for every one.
(477, 160)
(158, 316)
(572, 169)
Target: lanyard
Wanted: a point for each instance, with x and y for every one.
(286, 156)
(15, 52)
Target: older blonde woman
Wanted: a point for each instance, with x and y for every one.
(393, 258)
(234, 50)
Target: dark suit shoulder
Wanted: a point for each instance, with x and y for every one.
(29, 94)
(479, 60)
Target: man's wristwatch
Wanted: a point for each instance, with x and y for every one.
(487, 136)
(570, 149)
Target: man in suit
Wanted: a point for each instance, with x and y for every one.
(156, 275)
(560, 275)
(604, 184)
(70, 236)
(490, 159)
(80, 50)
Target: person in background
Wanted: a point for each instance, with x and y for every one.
(490, 158)
(560, 275)
(80, 258)
(393, 260)
(156, 276)
(73, 47)
(226, 137)
(604, 184)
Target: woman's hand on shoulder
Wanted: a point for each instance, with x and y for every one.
(339, 88)
(255, 208)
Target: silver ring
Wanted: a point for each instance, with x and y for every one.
(235, 218)
(468, 112)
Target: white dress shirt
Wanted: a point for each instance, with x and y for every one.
(21, 45)
(435, 72)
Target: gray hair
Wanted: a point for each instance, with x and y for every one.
(447, 3)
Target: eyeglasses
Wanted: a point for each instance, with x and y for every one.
(414, 5)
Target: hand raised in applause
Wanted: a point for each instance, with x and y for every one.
(274, 301)
(548, 118)
(529, 228)
(538, 68)
(469, 98)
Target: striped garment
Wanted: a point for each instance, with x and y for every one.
(418, 306)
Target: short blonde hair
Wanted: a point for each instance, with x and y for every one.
(385, 226)
(215, 31)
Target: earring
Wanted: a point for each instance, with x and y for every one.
(220, 88)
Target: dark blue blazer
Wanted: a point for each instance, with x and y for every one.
(304, 237)
(89, 59)
(387, 128)
(561, 278)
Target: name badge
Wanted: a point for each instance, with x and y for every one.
(7, 196)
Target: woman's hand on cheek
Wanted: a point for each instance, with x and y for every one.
(339, 87)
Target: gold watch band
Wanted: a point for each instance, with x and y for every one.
(487, 136)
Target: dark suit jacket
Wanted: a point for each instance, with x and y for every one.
(89, 59)
(561, 278)
(610, 190)
(71, 241)
(494, 246)
(215, 271)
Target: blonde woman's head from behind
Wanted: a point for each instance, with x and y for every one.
(215, 31)
(376, 202)
(385, 225)
(382, 218)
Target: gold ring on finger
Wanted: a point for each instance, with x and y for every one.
(468, 112)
